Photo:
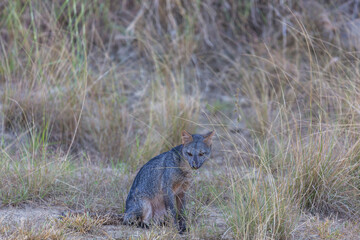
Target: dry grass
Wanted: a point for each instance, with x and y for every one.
(33, 172)
(92, 90)
(81, 223)
(26, 230)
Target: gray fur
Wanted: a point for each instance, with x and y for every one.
(166, 178)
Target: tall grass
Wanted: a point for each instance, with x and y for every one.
(304, 122)
(102, 106)
(34, 172)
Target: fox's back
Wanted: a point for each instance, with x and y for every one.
(147, 178)
(148, 181)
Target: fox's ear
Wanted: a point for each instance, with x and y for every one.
(208, 138)
(186, 137)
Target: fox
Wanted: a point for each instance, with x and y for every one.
(161, 184)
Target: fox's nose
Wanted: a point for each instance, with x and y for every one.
(194, 165)
(197, 164)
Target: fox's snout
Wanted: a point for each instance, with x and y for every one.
(195, 167)
(195, 164)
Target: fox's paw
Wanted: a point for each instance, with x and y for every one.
(128, 219)
(182, 227)
(143, 225)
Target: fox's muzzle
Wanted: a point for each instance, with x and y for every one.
(195, 165)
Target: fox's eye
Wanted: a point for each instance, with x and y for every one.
(201, 154)
(189, 153)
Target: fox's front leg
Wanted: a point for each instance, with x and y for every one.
(180, 204)
(171, 204)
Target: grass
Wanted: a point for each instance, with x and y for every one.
(26, 230)
(82, 223)
(262, 207)
(90, 91)
(32, 172)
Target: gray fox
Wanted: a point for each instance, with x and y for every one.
(161, 184)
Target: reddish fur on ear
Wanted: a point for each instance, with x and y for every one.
(208, 138)
(186, 137)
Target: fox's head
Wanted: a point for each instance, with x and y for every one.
(196, 148)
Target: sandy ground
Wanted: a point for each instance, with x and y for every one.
(37, 217)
